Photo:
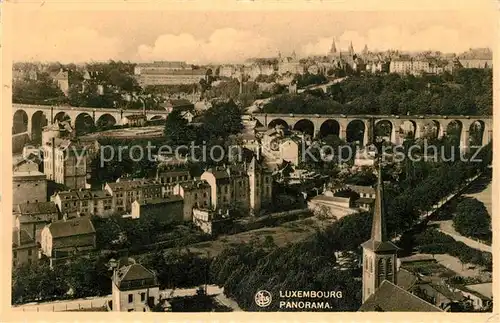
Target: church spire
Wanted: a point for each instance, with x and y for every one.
(351, 49)
(379, 233)
(333, 48)
(365, 50)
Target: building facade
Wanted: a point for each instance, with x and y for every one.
(29, 187)
(68, 237)
(125, 192)
(135, 289)
(248, 186)
(33, 217)
(196, 194)
(24, 248)
(65, 162)
(84, 202)
(211, 222)
(167, 209)
(170, 178)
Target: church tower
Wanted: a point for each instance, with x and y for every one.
(379, 253)
(260, 184)
(255, 182)
(365, 50)
(351, 50)
(333, 49)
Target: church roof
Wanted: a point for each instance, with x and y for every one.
(391, 298)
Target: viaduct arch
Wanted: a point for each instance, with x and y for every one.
(393, 127)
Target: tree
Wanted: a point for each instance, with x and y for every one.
(222, 120)
(177, 131)
(472, 219)
(42, 91)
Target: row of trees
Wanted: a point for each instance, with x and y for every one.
(434, 242)
(308, 265)
(465, 92)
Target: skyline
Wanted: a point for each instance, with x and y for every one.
(231, 37)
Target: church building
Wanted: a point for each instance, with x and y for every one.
(381, 292)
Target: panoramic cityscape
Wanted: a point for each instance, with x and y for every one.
(344, 166)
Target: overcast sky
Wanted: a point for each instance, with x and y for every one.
(201, 37)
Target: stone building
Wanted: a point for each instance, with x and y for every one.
(68, 237)
(65, 162)
(211, 222)
(126, 192)
(84, 202)
(24, 248)
(196, 194)
(167, 209)
(135, 120)
(29, 187)
(170, 178)
(33, 217)
(248, 186)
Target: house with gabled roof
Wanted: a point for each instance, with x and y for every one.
(135, 288)
(68, 237)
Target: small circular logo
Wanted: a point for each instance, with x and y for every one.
(263, 298)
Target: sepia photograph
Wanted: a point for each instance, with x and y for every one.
(251, 160)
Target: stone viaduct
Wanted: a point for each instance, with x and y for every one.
(316, 124)
(32, 118)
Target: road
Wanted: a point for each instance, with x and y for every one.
(98, 302)
(484, 195)
(447, 228)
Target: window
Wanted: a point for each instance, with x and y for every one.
(14, 255)
(30, 262)
(29, 252)
(130, 298)
(389, 269)
(143, 297)
(381, 270)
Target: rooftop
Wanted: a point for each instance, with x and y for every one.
(28, 174)
(134, 275)
(77, 226)
(21, 238)
(391, 298)
(134, 184)
(196, 184)
(37, 208)
(161, 200)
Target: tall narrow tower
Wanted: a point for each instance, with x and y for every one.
(255, 182)
(379, 253)
(333, 49)
(351, 49)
